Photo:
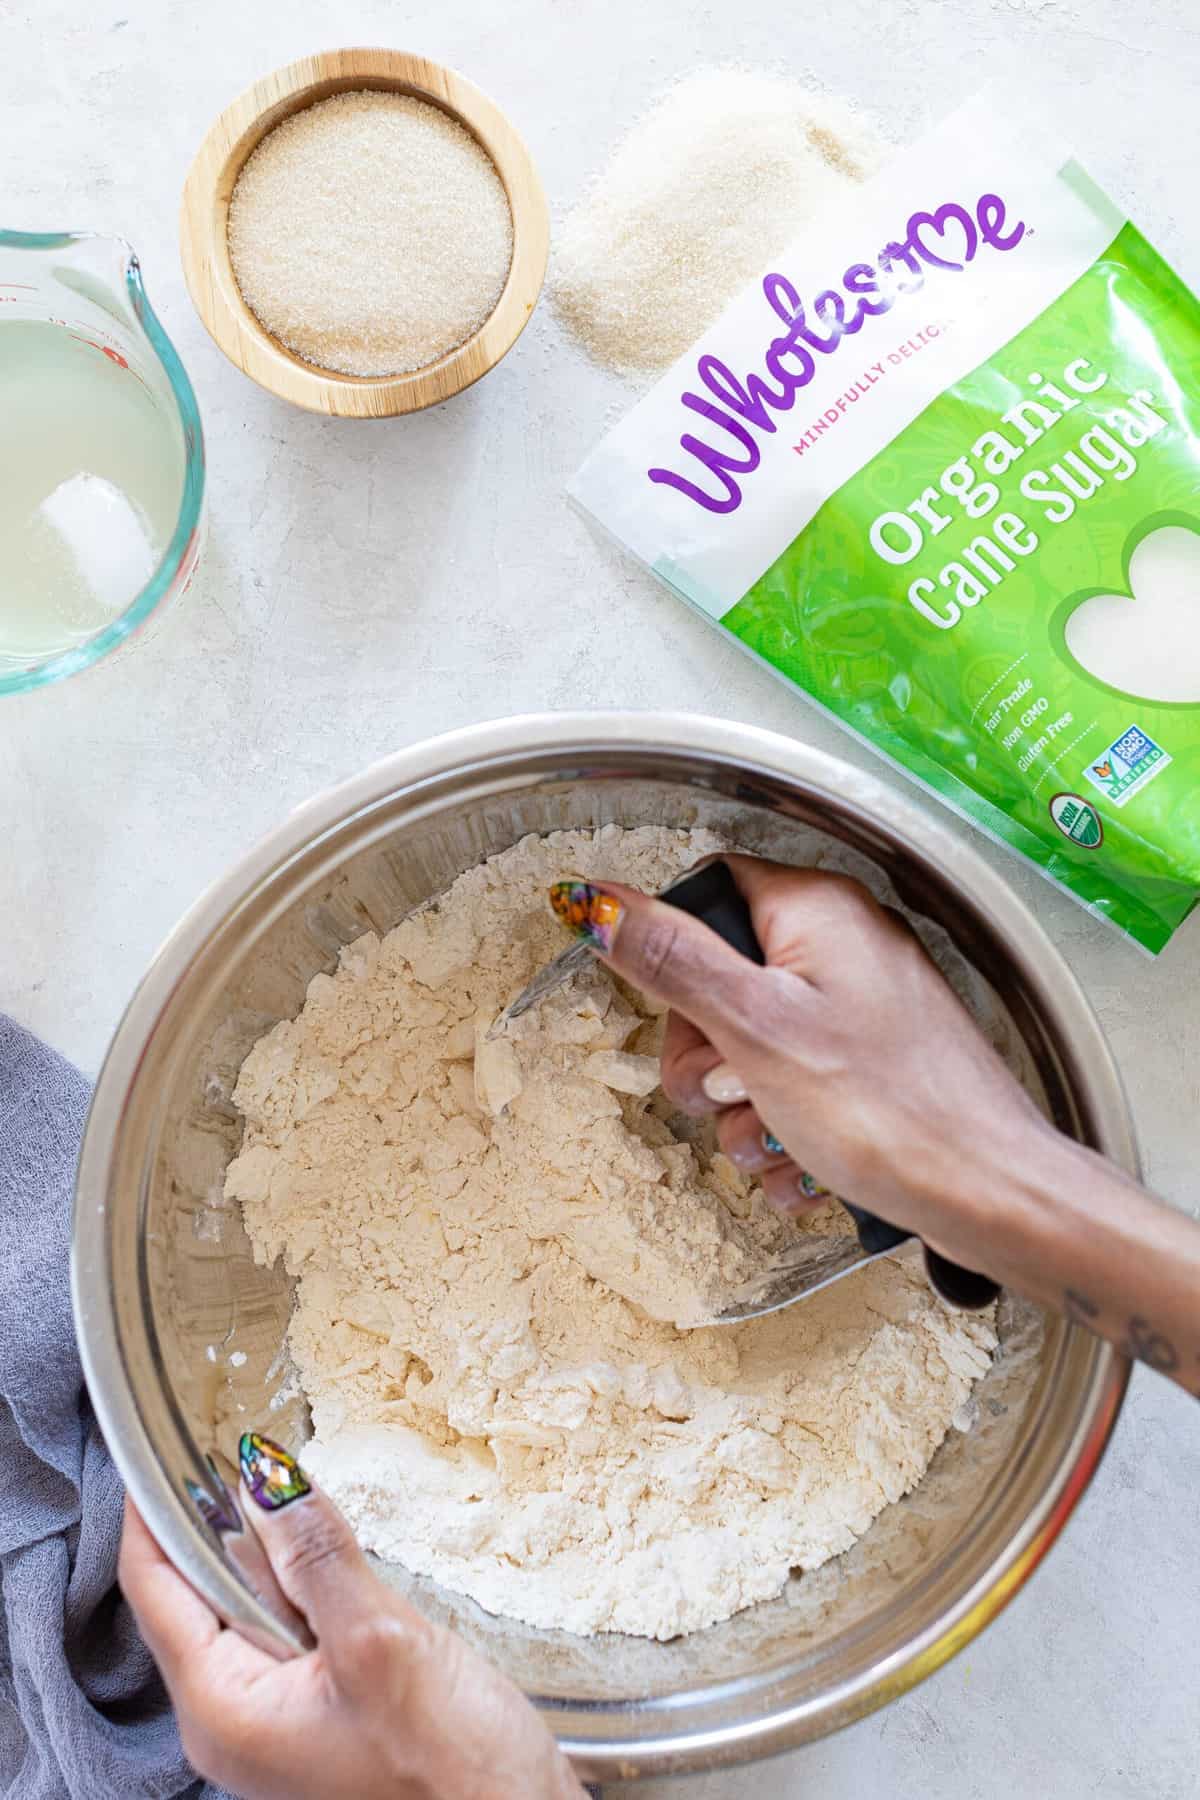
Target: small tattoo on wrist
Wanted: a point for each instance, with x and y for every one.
(1144, 1344)
(1141, 1343)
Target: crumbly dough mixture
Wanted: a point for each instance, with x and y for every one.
(502, 1251)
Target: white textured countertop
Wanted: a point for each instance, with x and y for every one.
(367, 585)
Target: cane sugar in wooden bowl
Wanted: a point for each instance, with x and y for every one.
(363, 233)
(402, 212)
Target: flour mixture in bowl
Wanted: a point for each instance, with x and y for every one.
(503, 1252)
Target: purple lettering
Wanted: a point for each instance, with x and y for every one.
(830, 308)
(749, 399)
(718, 462)
(782, 297)
(861, 279)
(793, 380)
(931, 242)
(893, 253)
(936, 223)
(991, 213)
(824, 345)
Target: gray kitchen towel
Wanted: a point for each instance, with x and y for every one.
(83, 1713)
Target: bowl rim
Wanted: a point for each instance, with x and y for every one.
(204, 246)
(663, 1739)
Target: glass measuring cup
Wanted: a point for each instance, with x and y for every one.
(101, 456)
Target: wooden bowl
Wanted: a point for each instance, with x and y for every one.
(204, 242)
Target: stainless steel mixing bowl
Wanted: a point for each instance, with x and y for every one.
(164, 1280)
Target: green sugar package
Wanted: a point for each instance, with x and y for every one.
(937, 467)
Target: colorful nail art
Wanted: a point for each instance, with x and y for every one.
(811, 1188)
(771, 1144)
(586, 912)
(274, 1477)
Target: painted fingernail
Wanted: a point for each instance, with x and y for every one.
(724, 1086)
(586, 912)
(771, 1144)
(271, 1473)
(798, 1195)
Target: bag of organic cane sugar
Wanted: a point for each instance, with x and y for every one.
(938, 468)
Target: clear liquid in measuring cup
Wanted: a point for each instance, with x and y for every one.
(91, 475)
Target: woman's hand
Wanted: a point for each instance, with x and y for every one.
(848, 1064)
(387, 1707)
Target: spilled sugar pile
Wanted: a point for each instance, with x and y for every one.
(701, 193)
(495, 1245)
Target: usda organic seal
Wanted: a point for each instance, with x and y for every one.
(1077, 819)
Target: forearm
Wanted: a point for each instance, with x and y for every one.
(1069, 1230)
(848, 1061)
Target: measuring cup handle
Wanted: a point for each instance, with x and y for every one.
(711, 894)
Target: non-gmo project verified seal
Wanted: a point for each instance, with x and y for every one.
(1127, 765)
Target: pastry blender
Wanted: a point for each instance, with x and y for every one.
(711, 894)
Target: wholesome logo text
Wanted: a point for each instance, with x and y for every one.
(947, 238)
